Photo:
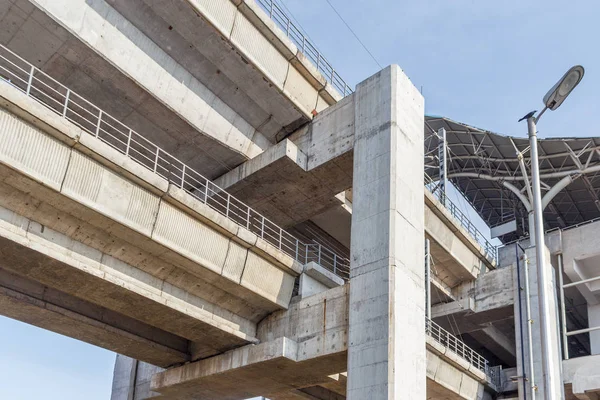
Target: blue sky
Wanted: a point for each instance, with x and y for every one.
(483, 62)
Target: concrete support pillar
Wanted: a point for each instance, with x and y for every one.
(131, 379)
(554, 336)
(386, 346)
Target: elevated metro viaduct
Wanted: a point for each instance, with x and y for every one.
(191, 184)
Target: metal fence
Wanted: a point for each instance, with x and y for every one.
(304, 45)
(489, 249)
(92, 120)
(454, 344)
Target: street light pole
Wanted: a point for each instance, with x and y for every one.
(548, 351)
(551, 359)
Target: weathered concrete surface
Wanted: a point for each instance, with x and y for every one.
(27, 301)
(479, 302)
(299, 177)
(553, 336)
(238, 53)
(386, 355)
(484, 309)
(45, 258)
(454, 250)
(581, 377)
(131, 379)
(299, 349)
(447, 381)
(316, 279)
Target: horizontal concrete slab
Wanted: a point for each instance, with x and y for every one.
(31, 302)
(265, 369)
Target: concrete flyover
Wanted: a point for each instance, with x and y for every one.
(99, 248)
(91, 251)
(119, 243)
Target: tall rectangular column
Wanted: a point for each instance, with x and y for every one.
(386, 344)
(535, 388)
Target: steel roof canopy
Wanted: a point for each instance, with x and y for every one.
(479, 161)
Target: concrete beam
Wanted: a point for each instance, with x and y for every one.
(497, 343)
(299, 177)
(64, 314)
(265, 369)
(46, 258)
(486, 300)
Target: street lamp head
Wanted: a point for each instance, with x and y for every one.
(559, 92)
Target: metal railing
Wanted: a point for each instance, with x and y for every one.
(457, 346)
(94, 121)
(304, 45)
(489, 249)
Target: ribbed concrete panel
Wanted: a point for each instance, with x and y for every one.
(267, 280)
(220, 13)
(259, 49)
(300, 91)
(101, 189)
(184, 234)
(235, 261)
(35, 153)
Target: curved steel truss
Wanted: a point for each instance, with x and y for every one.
(486, 168)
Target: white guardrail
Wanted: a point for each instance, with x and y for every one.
(457, 346)
(94, 121)
(304, 45)
(489, 249)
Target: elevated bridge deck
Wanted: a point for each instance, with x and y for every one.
(108, 236)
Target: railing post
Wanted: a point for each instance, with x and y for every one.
(182, 175)
(334, 261)
(156, 159)
(303, 42)
(227, 205)
(206, 192)
(280, 237)
(128, 143)
(248, 218)
(64, 114)
(319, 256)
(262, 228)
(30, 80)
(297, 250)
(271, 10)
(287, 29)
(306, 253)
(98, 126)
